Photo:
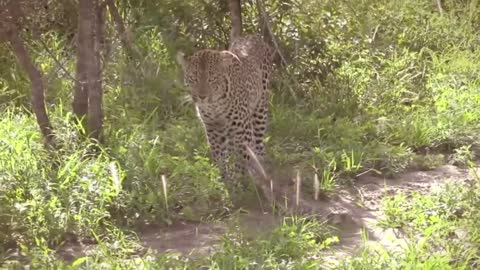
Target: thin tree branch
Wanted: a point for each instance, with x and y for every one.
(266, 21)
(60, 65)
(121, 29)
(439, 6)
(236, 17)
(269, 31)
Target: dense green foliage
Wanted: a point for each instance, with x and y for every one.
(369, 85)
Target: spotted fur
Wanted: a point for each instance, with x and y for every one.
(230, 91)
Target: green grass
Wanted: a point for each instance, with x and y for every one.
(442, 230)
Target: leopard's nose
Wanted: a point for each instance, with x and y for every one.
(201, 97)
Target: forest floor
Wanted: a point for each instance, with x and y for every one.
(353, 212)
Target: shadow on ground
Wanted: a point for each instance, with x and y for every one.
(352, 211)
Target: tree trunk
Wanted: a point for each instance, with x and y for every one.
(11, 14)
(36, 79)
(84, 45)
(236, 17)
(87, 101)
(95, 92)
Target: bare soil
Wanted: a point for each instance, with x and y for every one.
(350, 210)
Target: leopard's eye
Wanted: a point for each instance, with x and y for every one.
(189, 80)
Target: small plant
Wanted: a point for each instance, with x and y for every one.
(351, 163)
(328, 179)
(396, 215)
(462, 156)
(428, 161)
(295, 243)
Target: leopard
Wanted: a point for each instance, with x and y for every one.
(230, 91)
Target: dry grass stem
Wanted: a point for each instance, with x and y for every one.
(316, 186)
(164, 187)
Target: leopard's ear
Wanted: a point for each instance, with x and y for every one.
(229, 58)
(181, 59)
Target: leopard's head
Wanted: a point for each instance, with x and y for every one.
(206, 73)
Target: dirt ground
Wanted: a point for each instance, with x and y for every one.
(351, 211)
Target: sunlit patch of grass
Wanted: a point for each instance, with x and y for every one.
(48, 195)
(441, 229)
(295, 244)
